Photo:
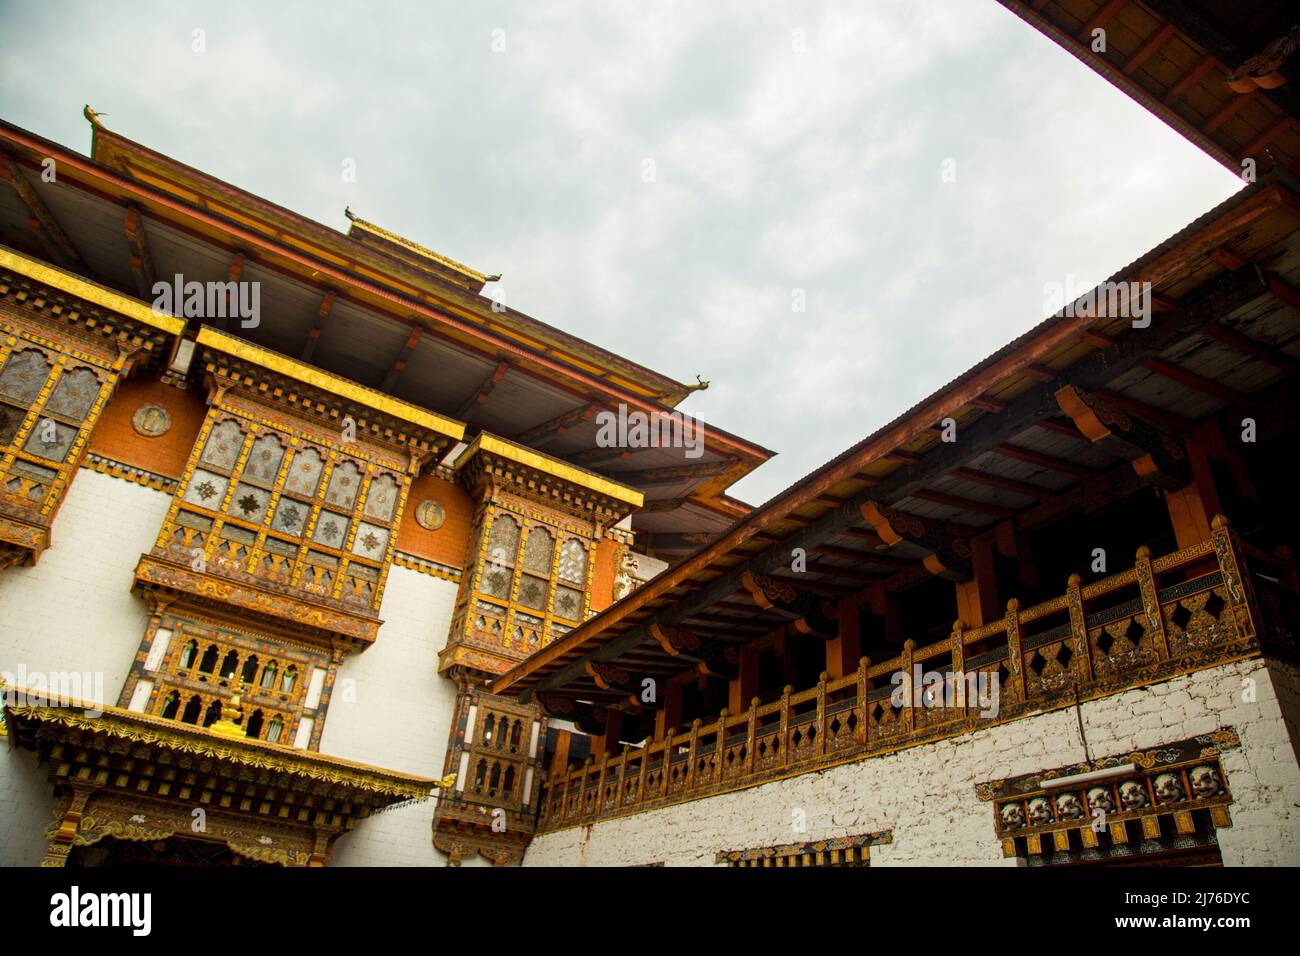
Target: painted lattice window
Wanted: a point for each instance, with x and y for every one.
(539, 572)
(257, 502)
(43, 410)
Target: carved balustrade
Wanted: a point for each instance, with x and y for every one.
(1181, 612)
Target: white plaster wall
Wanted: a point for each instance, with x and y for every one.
(399, 717)
(926, 795)
(73, 613)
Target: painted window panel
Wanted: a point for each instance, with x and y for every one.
(304, 473)
(532, 592)
(206, 489)
(249, 503)
(74, 395)
(263, 462)
(573, 562)
(50, 439)
(223, 446)
(345, 482)
(23, 375)
(331, 529)
(290, 516)
(538, 550)
(371, 541)
(381, 499)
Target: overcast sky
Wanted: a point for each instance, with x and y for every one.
(663, 179)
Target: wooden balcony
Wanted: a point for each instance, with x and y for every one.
(1181, 612)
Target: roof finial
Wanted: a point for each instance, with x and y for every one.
(93, 117)
(700, 385)
(347, 211)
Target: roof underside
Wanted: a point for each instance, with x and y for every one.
(1225, 340)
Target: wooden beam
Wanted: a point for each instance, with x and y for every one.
(1248, 346)
(1149, 48)
(468, 407)
(1170, 422)
(965, 504)
(597, 456)
(318, 326)
(1028, 455)
(141, 259)
(399, 364)
(1190, 79)
(1198, 383)
(558, 425)
(1158, 458)
(672, 473)
(1100, 19)
(54, 238)
(998, 481)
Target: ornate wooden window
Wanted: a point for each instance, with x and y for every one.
(529, 576)
(838, 851)
(290, 503)
(187, 665)
(61, 356)
(1163, 804)
(267, 503)
(528, 588)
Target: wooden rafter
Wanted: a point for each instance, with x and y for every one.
(318, 326)
(1050, 462)
(480, 396)
(1198, 383)
(673, 473)
(558, 425)
(399, 364)
(141, 258)
(1248, 346)
(53, 237)
(999, 481)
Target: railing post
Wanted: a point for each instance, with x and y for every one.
(1079, 626)
(785, 724)
(622, 778)
(751, 731)
(645, 768)
(909, 718)
(821, 713)
(720, 746)
(665, 766)
(1015, 660)
(958, 641)
(1151, 602)
(1235, 583)
(690, 758)
(864, 665)
(600, 782)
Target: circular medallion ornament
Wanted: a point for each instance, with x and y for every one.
(430, 514)
(151, 420)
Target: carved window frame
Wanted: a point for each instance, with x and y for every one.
(316, 569)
